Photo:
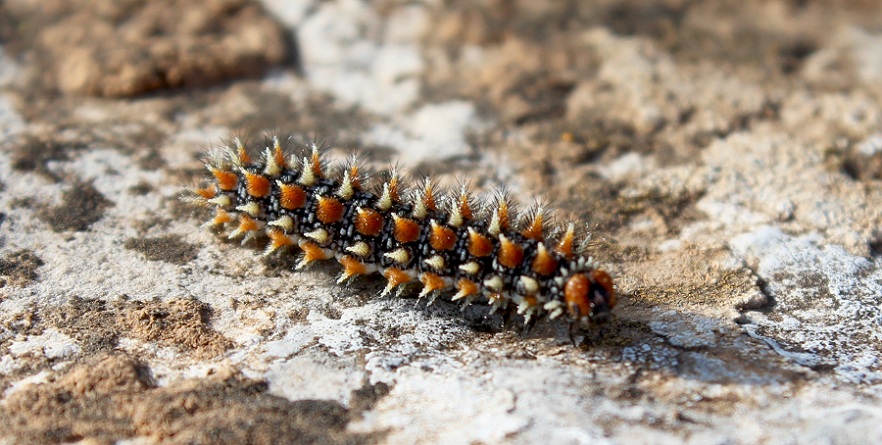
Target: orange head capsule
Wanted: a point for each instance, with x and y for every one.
(590, 296)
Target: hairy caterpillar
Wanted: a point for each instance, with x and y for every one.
(405, 234)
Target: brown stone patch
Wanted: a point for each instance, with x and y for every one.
(94, 400)
(113, 397)
(60, 137)
(19, 268)
(180, 323)
(566, 170)
(97, 324)
(589, 137)
(364, 398)
(232, 409)
(34, 152)
(92, 323)
(253, 112)
(81, 206)
(19, 325)
(169, 248)
(861, 166)
(697, 276)
(142, 188)
(110, 48)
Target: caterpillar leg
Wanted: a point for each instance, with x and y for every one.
(529, 324)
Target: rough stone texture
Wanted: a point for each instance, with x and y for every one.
(726, 155)
(128, 48)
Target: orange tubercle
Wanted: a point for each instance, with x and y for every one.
(464, 207)
(565, 246)
(278, 238)
(226, 180)
(352, 266)
(393, 188)
(246, 224)
(221, 216)
(467, 287)
(479, 245)
(429, 196)
(604, 280)
(353, 177)
(396, 276)
(317, 164)
(431, 282)
(576, 295)
(510, 254)
(503, 215)
(406, 230)
(329, 210)
(369, 222)
(292, 196)
(242, 152)
(207, 192)
(544, 262)
(257, 185)
(534, 231)
(442, 238)
(279, 155)
(312, 251)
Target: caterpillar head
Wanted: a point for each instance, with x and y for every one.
(590, 296)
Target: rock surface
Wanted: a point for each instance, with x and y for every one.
(727, 157)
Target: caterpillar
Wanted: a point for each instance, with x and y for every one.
(443, 241)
